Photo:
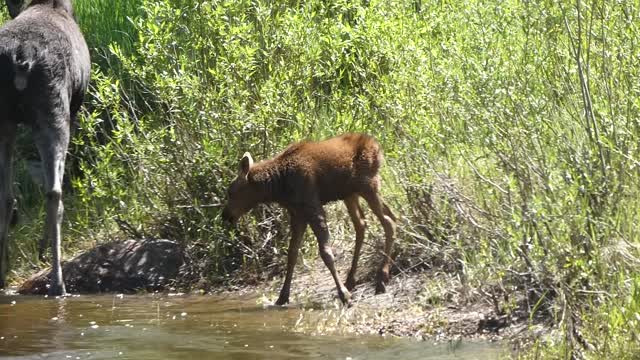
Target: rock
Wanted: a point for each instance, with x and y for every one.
(123, 266)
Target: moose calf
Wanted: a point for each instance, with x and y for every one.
(44, 73)
(302, 179)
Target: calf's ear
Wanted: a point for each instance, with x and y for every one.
(245, 164)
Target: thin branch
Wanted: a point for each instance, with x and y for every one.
(204, 206)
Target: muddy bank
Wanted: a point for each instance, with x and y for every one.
(428, 305)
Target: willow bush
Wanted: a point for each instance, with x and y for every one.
(510, 131)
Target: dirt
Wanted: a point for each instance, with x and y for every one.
(428, 305)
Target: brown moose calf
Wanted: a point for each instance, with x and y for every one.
(302, 179)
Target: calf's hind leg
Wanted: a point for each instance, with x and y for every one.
(387, 219)
(359, 224)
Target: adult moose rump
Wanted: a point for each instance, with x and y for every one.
(44, 73)
(302, 179)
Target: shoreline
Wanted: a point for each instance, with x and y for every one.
(427, 306)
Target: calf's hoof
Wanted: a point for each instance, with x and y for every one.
(282, 301)
(345, 296)
(382, 281)
(350, 284)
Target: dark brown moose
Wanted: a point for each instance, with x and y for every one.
(302, 179)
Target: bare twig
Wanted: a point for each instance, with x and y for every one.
(204, 206)
(127, 228)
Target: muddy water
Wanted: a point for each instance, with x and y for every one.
(188, 327)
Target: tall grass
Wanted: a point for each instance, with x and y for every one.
(106, 22)
(510, 130)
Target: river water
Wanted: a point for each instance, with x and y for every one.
(189, 327)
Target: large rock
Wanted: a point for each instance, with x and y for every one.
(123, 266)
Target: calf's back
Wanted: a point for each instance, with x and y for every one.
(328, 170)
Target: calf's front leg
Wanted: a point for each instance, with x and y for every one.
(298, 226)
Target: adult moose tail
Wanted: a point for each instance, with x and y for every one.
(16, 65)
(21, 72)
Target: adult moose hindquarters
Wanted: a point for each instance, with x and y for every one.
(302, 179)
(44, 73)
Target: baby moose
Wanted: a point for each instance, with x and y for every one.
(302, 179)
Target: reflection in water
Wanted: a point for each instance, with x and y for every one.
(165, 327)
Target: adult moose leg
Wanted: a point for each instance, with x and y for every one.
(317, 220)
(51, 134)
(298, 226)
(387, 219)
(7, 140)
(359, 224)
